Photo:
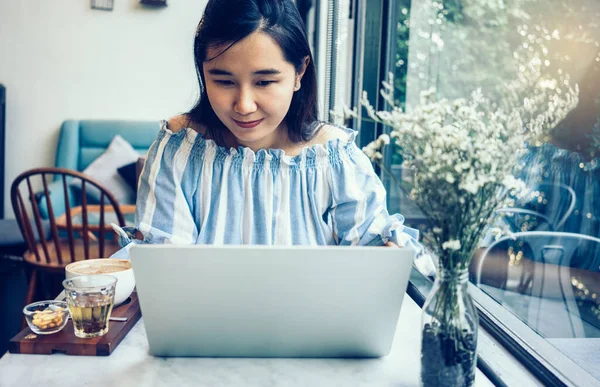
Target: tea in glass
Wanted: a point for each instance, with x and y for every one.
(90, 299)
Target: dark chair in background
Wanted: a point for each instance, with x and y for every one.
(78, 234)
(541, 292)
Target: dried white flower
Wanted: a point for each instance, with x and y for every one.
(451, 245)
(384, 139)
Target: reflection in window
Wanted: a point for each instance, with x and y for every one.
(545, 267)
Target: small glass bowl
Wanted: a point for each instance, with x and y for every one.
(46, 317)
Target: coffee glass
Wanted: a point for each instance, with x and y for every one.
(90, 299)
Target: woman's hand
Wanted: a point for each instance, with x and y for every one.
(390, 244)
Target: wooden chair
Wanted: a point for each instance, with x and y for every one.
(66, 244)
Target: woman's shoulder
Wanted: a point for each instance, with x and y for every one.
(183, 121)
(328, 132)
(325, 136)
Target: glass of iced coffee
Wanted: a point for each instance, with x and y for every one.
(90, 299)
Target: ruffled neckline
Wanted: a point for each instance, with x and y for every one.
(307, 152)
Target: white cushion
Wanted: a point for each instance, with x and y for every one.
(104, 171)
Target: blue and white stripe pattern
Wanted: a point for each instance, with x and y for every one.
(194, 191)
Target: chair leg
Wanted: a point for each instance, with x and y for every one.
(30, 293)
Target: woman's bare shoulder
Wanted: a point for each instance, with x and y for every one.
(328, 132)
(182, 121)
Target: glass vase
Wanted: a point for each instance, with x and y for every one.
(449, 325)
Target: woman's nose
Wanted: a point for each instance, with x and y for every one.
(245, 103)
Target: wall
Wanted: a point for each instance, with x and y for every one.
(61, 60)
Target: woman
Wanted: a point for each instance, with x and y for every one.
(250, 163)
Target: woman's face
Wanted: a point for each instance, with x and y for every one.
(250, 88)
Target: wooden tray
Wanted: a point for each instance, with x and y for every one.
(67, 343)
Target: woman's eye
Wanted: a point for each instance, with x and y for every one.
(224, 82)
(264, 83)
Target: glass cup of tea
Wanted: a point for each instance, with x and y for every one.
(90, 299)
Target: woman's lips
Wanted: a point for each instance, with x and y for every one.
(248, 124)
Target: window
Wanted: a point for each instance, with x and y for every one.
(538, 293)
(543, 281)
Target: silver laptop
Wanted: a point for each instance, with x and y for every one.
(267, 301)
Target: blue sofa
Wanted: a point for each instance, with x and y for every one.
(81, 141)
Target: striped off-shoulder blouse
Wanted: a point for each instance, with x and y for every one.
(193, 191)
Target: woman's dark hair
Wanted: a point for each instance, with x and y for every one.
(225, 22)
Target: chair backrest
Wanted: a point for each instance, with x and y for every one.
(521, 220)
(557, 248)
(82, 141)
(30, 222)
(546, 207)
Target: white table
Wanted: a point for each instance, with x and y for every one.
(130, 365)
